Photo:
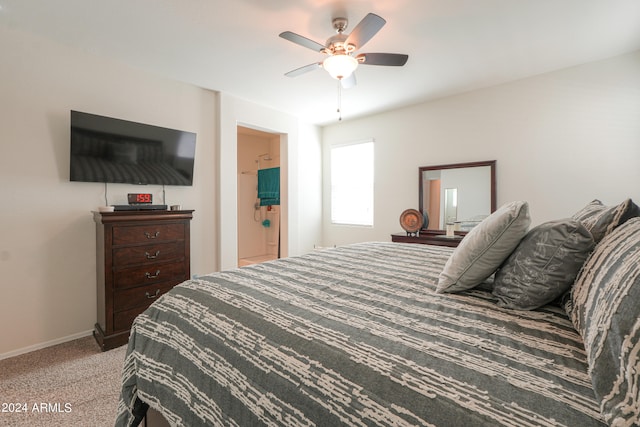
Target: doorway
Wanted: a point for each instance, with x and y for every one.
(259, 218)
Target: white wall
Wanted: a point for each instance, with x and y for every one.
(308, 186)
(47, 233)
(560, 140)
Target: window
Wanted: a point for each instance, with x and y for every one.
(352, 184)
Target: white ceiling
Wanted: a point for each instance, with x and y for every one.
(233, 45)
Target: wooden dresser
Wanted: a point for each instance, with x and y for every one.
(437, 237)
(140, 256)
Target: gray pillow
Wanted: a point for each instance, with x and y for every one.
(601, 220)
(544, 265)
(606, 312)
(485, 247)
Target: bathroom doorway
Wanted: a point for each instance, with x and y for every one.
(259, 208)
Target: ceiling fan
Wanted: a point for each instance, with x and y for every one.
(342, 61)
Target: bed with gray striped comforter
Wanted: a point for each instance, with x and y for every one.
(357, 336)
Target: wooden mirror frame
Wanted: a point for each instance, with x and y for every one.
(422, 169)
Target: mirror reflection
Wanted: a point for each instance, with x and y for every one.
(450, 205)
(461, 194)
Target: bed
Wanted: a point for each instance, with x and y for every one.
(364, 334)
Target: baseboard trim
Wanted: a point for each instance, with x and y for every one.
(46, 344)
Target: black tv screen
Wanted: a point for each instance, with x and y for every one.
(104, 149)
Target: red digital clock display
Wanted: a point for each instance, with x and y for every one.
(140, 198)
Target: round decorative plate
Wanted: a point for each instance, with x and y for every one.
(411, 220)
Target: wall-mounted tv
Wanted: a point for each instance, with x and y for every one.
(105, 149)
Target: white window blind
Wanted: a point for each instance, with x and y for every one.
(352, 184)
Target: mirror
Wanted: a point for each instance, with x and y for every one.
(460, 194)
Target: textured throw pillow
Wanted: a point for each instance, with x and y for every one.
(485, 247)
(606, 312)
(601, 220)
(544, 265)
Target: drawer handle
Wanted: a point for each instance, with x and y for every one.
(149, 256)
(152, 296)
(152, 236)
(152, 276)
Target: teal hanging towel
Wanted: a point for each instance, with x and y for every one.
(269, 186)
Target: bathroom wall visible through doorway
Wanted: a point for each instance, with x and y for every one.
(258, 226)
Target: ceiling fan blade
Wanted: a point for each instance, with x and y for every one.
(392, 59)
(365, 30)
(349, 82)
(302, 70)
(302, 41)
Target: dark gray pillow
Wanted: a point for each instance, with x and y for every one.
(606, 312)
(601, 220)
(544, 265)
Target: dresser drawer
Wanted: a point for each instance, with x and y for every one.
(148, 274)
(122, 321)
(141, 296)
(159, 252)
(149, 233)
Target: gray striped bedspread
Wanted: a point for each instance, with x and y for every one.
(356, 336)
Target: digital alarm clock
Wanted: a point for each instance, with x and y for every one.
(140, 198)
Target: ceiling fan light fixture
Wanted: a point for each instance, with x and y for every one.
(340, 66)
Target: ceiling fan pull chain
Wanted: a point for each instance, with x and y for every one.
(339, 101)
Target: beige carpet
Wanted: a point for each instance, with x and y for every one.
(71, 384)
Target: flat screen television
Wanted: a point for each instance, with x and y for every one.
(105, 149)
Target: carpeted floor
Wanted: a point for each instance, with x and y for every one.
(71, 384)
